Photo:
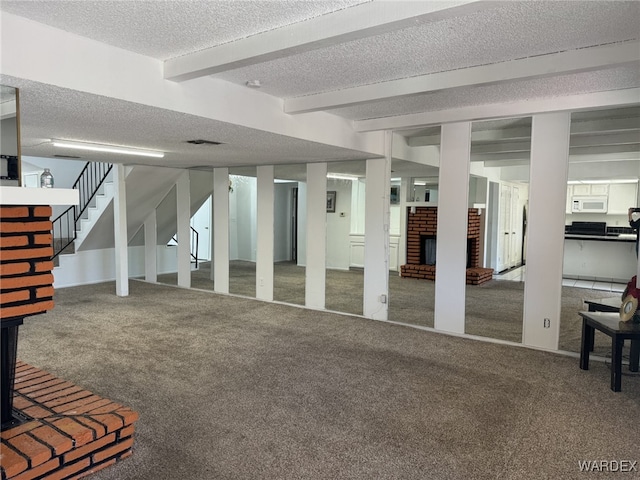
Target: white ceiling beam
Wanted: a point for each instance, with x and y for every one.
(605, 131)
(619, 141)
(599, 139)
(605, 125)
(580, 102)
(562, 63)
(604, 149)
(504, 147)
(483, 136)
(511, 159)
(361, 21)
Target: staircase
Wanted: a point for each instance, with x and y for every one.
(84, 235)
(70, 227)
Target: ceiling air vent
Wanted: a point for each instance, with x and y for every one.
(203, 142)
(73, 157)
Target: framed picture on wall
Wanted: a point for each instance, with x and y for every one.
(331, 201)
(395, 195)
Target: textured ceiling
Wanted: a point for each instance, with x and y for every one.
(167, 29)
(497, 32)
(50, 112)
(514, 30)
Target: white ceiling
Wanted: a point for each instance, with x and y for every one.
(460, 53)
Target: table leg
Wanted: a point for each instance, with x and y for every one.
(616, 363)
(592, 308)
(634, 355)
(587, 344)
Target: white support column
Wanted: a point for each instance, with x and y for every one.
(376, 236)
(545, 242)
(212, 228)
(183, 209)
(316, 275)
(264, 253)
(120, 231)
(402, 242)
(151, 247)
(451, 241)
(221, 230)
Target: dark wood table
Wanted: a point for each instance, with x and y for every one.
(609, 323)
(611, 304)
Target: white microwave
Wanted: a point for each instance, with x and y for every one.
(591, 204)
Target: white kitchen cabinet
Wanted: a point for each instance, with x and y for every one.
(621, 197)
(586, 189)
(599, 189)
(582, 189)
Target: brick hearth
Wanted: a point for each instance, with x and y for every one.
(73, 432)
(424, 222)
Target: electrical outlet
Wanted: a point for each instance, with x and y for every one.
(383, 298)
(547, 323)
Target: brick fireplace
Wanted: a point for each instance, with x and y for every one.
(51, 428)
(421, 236)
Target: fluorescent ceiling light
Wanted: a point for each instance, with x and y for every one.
(341, 176)
(96, 147)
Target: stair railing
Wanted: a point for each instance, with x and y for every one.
(65, 226)
(194, 244)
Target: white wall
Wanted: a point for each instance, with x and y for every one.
(201, 223)
(357, 207)
(65, 173)
(339, 225)
(95, 266)
(283, 193)
(302, 224)
(242, 218)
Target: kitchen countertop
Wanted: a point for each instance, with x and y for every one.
(623, 237)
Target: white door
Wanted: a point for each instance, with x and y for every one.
(515, 252)
(504, 227)
(510, 233)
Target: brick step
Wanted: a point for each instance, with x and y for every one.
(73, 432)
(475, 275)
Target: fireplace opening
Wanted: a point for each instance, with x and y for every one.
(471, 246)
(428, 250)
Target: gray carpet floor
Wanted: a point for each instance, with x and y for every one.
(234, 388)
(493, 309)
